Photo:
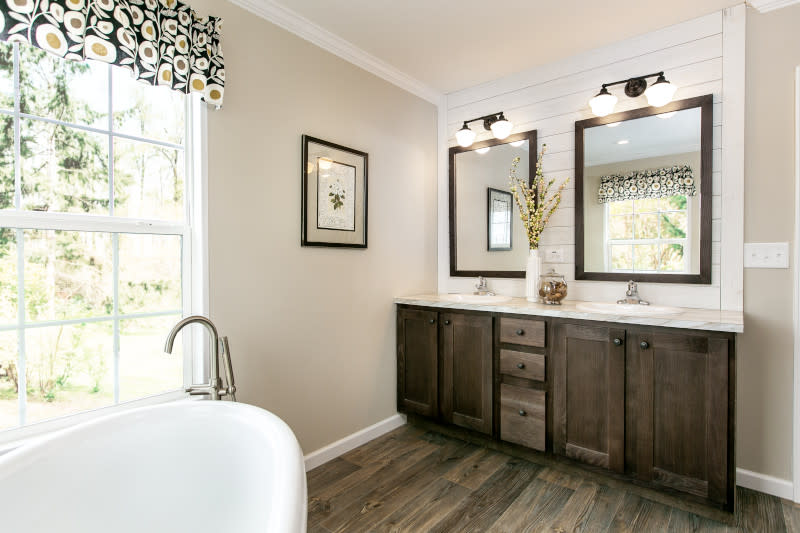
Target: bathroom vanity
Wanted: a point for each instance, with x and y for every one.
(650, 398)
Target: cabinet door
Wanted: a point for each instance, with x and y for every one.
(680, 423)
(465, 386)
(417, 362)
(589, 394)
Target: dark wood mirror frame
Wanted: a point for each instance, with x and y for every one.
(530, 136)
(706, 105)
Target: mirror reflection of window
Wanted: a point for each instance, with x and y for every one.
(642, 195)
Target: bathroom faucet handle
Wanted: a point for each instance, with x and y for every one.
(225, 353)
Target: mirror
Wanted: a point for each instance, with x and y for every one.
(643, 194)
(486, 235)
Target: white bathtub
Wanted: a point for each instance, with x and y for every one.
(181, 467)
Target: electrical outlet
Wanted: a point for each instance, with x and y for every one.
(554, 255)
(766, 255)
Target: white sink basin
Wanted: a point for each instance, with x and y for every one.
(627, 309)
(475, 298)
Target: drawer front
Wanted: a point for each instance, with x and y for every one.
(522, 364)
(522, 416)
(522, 331)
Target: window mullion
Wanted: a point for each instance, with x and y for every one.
(22, 382)
(110, 143)
(115, 276)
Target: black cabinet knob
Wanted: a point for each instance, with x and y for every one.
(520, 332)
(522, 412)
(431, 321)
(446, 322)
(520, 365)
(644, 344)
(618, 342)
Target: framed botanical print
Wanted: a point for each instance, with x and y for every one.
(334, 210)
(499, 217)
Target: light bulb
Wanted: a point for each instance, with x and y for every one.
(465, 136)
(667, 115)
(660, 93)
(517, 144)
(324, 163)
(603, 104)
(623, 141)
(613, 124)
(501, 127)
(483, 150)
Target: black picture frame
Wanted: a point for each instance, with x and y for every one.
(311, 232)
(490, 194)
(706, 105)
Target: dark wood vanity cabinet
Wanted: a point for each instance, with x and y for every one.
(680, 412)
(654, 404)
(417, 362)
(444, 367)
(589, 394)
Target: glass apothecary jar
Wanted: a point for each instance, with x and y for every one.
(552, 287)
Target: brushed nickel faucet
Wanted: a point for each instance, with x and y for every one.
(220, 347)
(482, 288)
(632, 295)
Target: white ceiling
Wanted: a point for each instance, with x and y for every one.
(452, 45)
(675, 133)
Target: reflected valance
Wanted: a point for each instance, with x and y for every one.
(162, 42)
(652, 183)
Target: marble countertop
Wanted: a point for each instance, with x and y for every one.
(700, 319)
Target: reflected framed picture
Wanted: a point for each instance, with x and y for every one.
(334, 209)
(498, 223)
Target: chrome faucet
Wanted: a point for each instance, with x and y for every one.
(632, 295)
(219, 347)
(482, 289)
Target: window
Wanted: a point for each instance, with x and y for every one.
(96, 239)
(648, 235)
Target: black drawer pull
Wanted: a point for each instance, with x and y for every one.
(520, 332)
(520, 365)
(618, 342)
(645, 345)
(522, 412)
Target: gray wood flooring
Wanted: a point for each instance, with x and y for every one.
(417, 480)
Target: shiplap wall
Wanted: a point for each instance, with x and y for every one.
(552, 97)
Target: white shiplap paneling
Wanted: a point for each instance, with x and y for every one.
(552, 97)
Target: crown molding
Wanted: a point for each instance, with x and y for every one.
(763, 6)
(302, 27)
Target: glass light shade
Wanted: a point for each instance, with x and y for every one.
(603, 104)
(501, 128)
(483, 150)
(660, 93)
(517, 144)
(465, 136)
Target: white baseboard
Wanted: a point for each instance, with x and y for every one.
(342, 446)
(781, 488)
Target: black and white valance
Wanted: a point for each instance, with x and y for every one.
(652, 183)
(162, 42)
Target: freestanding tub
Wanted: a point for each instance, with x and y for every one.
(188, 466)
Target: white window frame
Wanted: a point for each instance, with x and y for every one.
(193, 230)
(687, 249)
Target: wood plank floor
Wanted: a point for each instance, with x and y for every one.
(417, 481)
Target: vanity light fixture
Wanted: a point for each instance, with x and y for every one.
(499, 125)
(658, 94)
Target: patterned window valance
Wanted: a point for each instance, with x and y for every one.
(162, 42)
(652, 183)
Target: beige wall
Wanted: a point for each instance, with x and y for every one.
(312, 329)
(764, 384)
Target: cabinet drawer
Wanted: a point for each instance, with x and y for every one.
(522, 416)
(522, 364)
(522, 331)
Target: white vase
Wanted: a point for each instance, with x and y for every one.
(532, 276)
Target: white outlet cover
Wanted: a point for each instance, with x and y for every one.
(766, 255)
(556, 255)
